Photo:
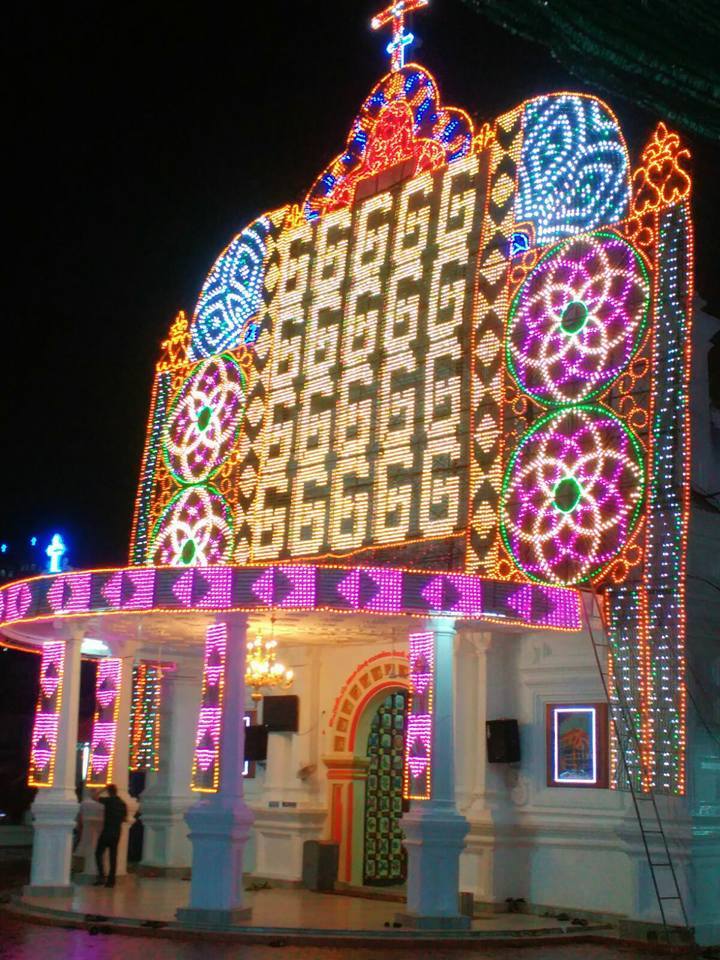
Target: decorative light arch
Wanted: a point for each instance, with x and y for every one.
(347, 770)
(381, 672)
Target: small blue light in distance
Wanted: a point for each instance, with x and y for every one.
(3, 548)
(33, 541)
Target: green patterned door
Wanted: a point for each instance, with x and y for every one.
(384, 861)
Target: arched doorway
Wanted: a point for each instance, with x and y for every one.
(359, 699)
(384, 857)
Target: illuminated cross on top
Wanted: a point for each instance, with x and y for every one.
(396, 13)
(56, 550)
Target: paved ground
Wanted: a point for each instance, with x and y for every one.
(24, 941)
(293, 909)
(20, 940)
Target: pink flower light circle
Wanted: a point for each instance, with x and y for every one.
(572, 494)
(204, 419)
(195, 529)
(578, 318)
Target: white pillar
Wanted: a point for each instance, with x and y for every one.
(280, 772)
(55, 808)
(167, 796)
(479, 808)
(288, 811)
(292, 758)
(434, 830)
(220, 823)
(92, 811)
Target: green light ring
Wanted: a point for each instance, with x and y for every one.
(177, 399)
(642, 326)
(632, 523)
(171, 503)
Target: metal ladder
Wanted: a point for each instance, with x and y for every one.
(646, 808)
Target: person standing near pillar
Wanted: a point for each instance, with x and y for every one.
(115, 814)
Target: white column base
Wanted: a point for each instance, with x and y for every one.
(212, 919)
(219, 831)
(166, 846)
(54, 815)
(434, 839)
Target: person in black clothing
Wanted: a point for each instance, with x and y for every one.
(115, 816)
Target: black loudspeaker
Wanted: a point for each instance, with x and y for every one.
(281, 714)
(256, 743)
(503, 741)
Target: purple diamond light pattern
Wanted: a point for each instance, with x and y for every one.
(418, 737)
(291, 587)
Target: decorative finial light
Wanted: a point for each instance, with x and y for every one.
(262, 669)
(395, 13)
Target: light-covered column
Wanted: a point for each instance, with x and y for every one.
(109, 757)
(220, 823)
(434, 830)
(167, 796)
(53, 769)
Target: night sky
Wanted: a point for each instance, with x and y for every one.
(141, 139)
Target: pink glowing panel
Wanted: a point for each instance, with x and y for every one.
(521, 602)
(206, 758)
(19, 598)
(469, 591)
(101, 754)
(419, 747)
(349, 588)
(432, 593)
(206, 750)
(385, 588)
(70, 593)
(107, 701)
(302, 592)
(213, 588)
(418, 736)
(564, 608)
(422, 653)
(264, 587)
(142, 583)
(183, 588)
(43, 746)
(112, 589)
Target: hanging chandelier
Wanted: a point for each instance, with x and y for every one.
(262, 669)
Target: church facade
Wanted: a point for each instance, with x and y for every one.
(428, 431)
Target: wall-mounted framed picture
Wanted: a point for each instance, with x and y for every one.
(577, 744)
